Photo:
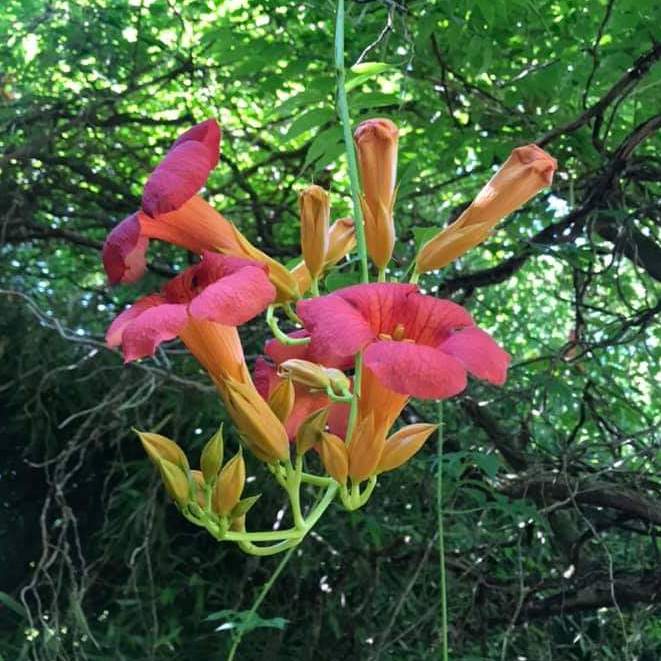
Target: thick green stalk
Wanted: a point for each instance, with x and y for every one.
(343, 111)
(441, 541)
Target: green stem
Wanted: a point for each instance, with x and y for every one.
(314, 287)
(272, 322)
(316, 480)
(294, 491)
(260, 598)
(441, 542)
(368, 490)
(414, 278)
(343, 111)
(353, 411)
(382, 275)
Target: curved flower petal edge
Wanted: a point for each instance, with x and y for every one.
(205, 300)
(183, 170)
(414, 344)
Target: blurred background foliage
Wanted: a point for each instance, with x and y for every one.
(552, 482)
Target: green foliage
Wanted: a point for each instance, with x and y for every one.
(552, 490)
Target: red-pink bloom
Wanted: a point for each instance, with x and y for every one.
(184, 170)
(414, 344)
(306, 401)
(202, 305)
(171, 210)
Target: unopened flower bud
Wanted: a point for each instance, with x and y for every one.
(310, 431)
(305, 373)
(175, 482)
(341, 241)
(528, 170)
(340, 383)
(200, 488)
(160, 447)
(334, 457)
(376, 143)
(403, 444)
(314, 207)
(229, 485)
(365, 449)
(281, 400)
(212, 456)
(259, 427)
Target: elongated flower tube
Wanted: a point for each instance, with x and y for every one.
(528, 170)
(173, 212)
(314, 206)
(376, 144)
(341, 241)
(414, 344)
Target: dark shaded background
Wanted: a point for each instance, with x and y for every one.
(552, 483)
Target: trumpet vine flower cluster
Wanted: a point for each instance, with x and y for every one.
(320, 409)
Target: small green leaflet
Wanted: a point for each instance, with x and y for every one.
(308, 120)
(364, 72)
(243, 621)
(326, 141)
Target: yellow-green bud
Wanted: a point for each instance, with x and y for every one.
(212, 456)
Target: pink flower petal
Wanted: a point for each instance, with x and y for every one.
(416, 370)
(264, 377)
(124, 252)
(177, 178)
(279, 352)
(478, 352)
(155, 325)
(305, 404)
(338, 419)
(116, 328)
(429, 320)
(236, 298)
(337, 328)
(207, 133)
(381, 304)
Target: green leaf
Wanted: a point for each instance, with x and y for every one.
(323, 143)
(306, 98)
(308, 120)
(243, 621)
(12, 604)
(364, 72)
(374, 100)
(423, 234)
(337, 280)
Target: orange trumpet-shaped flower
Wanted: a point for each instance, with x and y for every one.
(523, 175)
(376, 143)
(314, 206)
(341, 241)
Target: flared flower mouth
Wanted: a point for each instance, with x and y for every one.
(415, 345)
(222, 291)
